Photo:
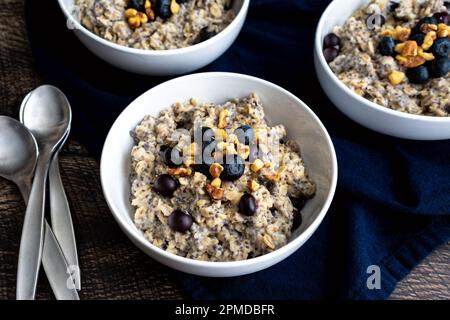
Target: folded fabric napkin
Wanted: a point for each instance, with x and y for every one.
(392, 202)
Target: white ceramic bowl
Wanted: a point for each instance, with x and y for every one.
(359, 109)
(161, 62)
(281, 108)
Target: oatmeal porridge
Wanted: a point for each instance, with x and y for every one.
(155, 24)
(396, 54)
(234, 193)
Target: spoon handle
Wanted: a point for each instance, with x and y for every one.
(31, 242)
(61, 219)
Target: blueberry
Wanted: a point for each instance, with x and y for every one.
(180, 221)
(139, 5)
(245, 134)
(427, 20)
(165, 185)
(440, 67)
(393, 5)
(170, 158)
(233, 168)
(418, 37)
(442, 17)
(298, 203)
(247, 205)
(331, 40)
(163, 8)
(441, 47)
(418, 75)
(330, 54)
(386, 47)
(296, 219)
(204, 35)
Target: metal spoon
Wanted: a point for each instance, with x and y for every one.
(61, 218)
(47, 115)
(18, 157)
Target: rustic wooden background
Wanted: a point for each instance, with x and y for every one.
(105, 253)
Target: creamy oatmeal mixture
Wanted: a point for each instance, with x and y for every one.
(208, 209)
(395, 53)
(155, 24)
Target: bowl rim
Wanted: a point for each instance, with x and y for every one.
(318, 45)
(202, 45)
(286, 250)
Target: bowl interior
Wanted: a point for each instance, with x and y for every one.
(70, 9)
(281, 108)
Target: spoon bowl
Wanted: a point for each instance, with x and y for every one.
(47, 114)
(18, 150)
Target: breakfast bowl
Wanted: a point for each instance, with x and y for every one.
(363, 111)
(157, 62)
(282, 107)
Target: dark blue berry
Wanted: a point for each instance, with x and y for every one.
(296, 219)
(441, 47)
(440, 67)
(418, 37)
(165, 185)
(331, 40)
(442, 17)
(330, 54)
(163, 8)
(204, 35)
(233, 168)
(427, 20)
(386, 47)
(171, 160)
(245, 134)
(180, 221)
(247, 205)
(139, 5)
(418, 75)
(393, 5)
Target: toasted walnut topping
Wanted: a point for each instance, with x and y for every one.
(134, 22)
(256, 165)
(272, 176)
(143, 17)
(429, 40)
(233, 196)
(426, 55)
(402, 33)
(223, 123)
(396, 77)
(189, 161)
(215, 169)
(216, 183)
(214, 193)
(425, 27)
(410, 62)
(399, 47)
(409, 49)
(267, 239)
(243, 150)
(174, 7)
(221, 135)
(130, 13)
(443, 30)
(148, 10)
(252, 185)
(179, 172)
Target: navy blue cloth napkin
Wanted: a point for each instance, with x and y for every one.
(392, 202)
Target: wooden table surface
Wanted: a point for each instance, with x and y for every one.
(429, 280)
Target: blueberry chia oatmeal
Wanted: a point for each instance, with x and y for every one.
(234, 193)
(396, 54)
(155, 24)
